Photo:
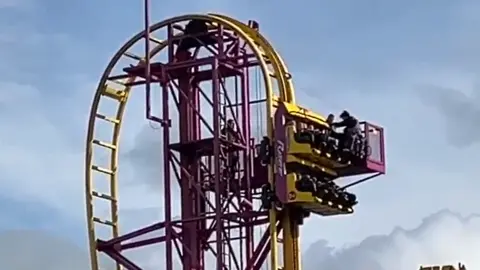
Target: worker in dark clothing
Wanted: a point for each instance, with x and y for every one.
(229, 132)
(231, 135)
(350, 132)
(197, 28)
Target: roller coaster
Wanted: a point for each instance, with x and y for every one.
(237, 172)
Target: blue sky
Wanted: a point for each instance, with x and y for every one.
(411, 66)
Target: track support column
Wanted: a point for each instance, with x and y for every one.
(291, 245)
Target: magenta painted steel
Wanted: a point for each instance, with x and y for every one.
(219, 213)
(222, 226)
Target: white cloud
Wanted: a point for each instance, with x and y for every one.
(42, 144)
(442, 238)
(38, 161)
(460, 112)
(27, 250)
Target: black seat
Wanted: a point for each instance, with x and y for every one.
(305, 136)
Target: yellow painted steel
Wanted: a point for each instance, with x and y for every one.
(287, 94)
(307, 152)
(299, 195)
(305, 114)
(312, 165)
(263, 51)
(312, 203)
(291, 259)
(291, 256)
(280, 71)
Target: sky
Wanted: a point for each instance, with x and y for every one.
(410, 66)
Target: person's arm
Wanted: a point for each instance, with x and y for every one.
(342, 123)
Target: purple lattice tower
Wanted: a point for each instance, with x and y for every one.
(218, 213)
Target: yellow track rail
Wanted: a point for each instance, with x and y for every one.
(287, 93)
(265, 54)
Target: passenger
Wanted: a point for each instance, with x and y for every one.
(330, 122)
(330, 119)
(332, 135)
(306, 135)
(323, 137)
(350, 132)
(231, 135)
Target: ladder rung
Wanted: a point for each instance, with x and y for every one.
(103, 196)
(104, 144)
(102, 170)
(118, 82)
(156, 40)
(105, 222)
(117, 78)
(114, 93)
(134, 83)
(133, 56)
(213, 25)
(108, 119)
(264, 55)
(177, 27)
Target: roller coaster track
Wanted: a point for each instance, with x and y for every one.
(274, 72)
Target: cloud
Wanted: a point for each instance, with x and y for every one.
(459, 110)
(26, 250)
(36, 53)
(43, 109)
(37, 141)
(42, 160)
(146, 156)
(442, 238)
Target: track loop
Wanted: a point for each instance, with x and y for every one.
(97, 172)
(280, 71)
(117, 87)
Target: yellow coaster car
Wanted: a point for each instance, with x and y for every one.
(318, 197)
(306, 151)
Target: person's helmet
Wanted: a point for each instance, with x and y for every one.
(344, 115)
